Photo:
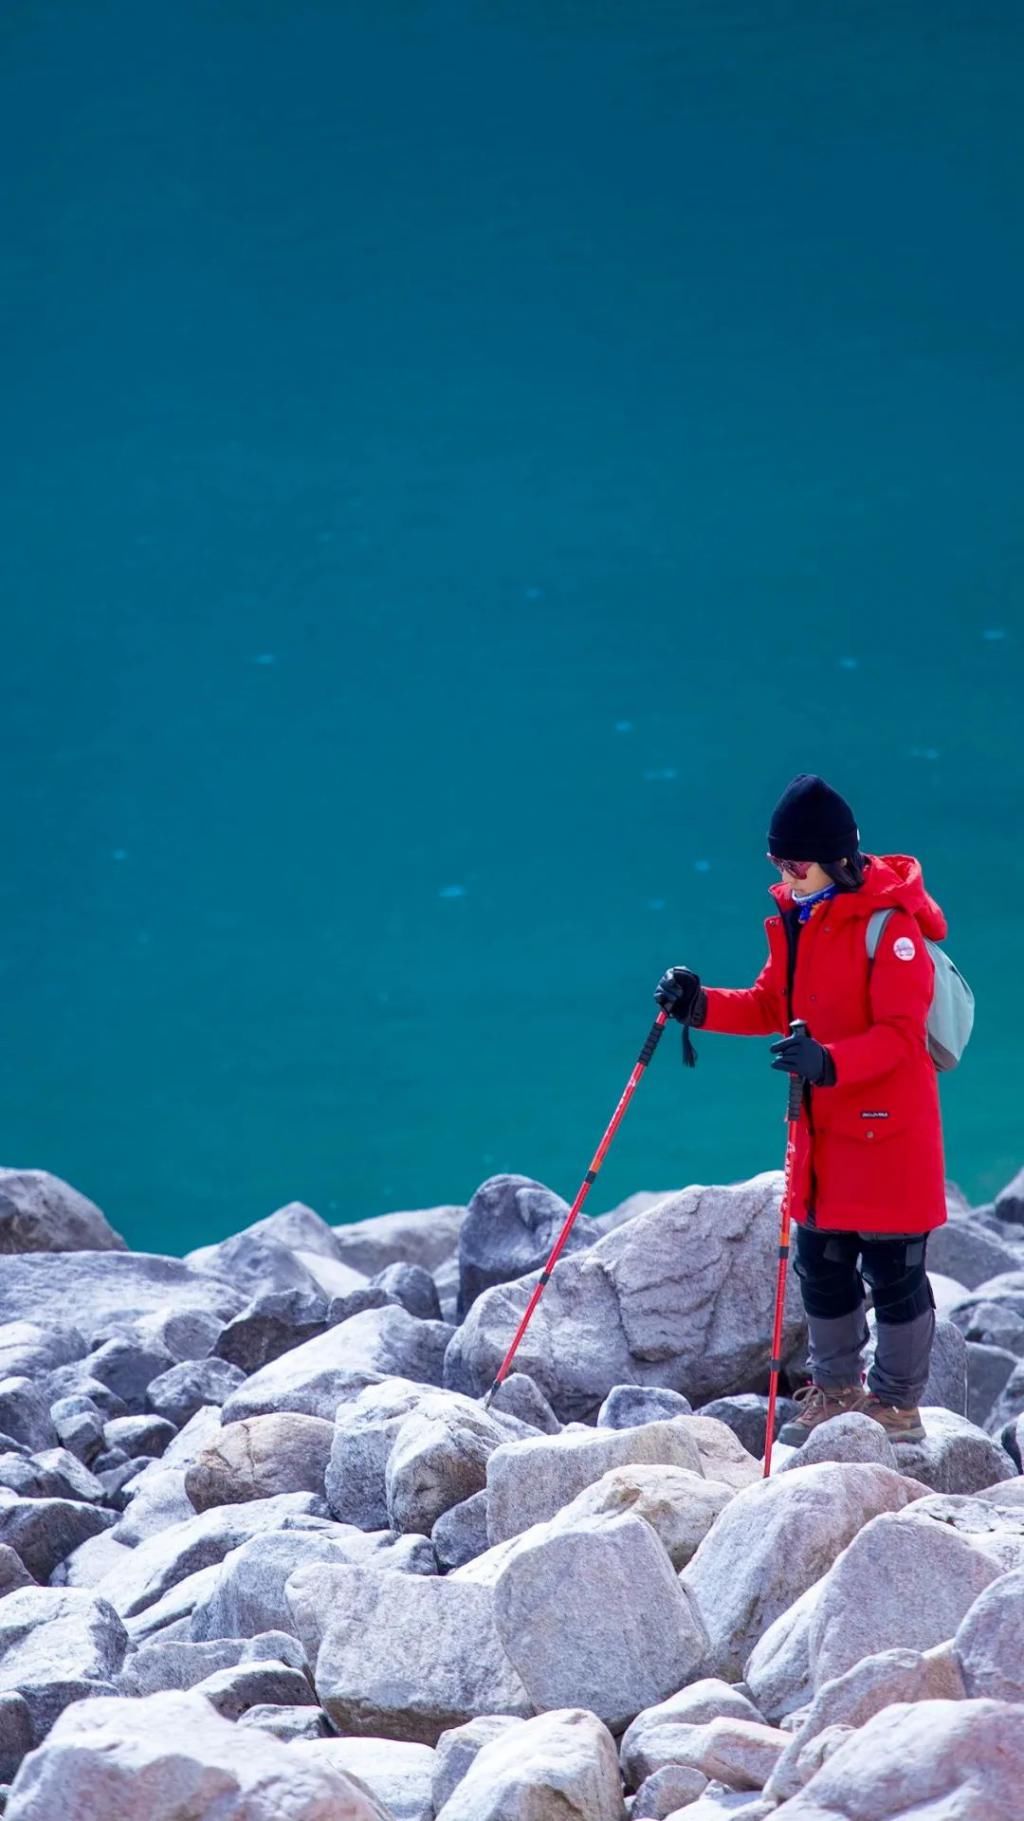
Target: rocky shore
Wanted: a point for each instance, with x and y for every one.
(265, 1556)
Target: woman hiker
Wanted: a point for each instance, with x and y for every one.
(868, 1170)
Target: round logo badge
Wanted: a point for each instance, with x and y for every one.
(903, 948)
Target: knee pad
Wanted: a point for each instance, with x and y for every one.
(830, 1283)
(895, 1270)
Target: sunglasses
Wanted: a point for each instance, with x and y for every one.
(798, 868)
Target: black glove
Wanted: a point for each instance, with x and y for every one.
(803, 1056)
(679, 992)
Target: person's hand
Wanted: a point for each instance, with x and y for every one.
(678, 992)
(803, 1056)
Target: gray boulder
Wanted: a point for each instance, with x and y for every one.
(660, 1734)
(511, 1224)
(746, 1414)
(116, 1476)
(202, 1541)
(25, 1414)
(530, 1480)
(853, 1698)
(57, 1645)
(739, 1754)
(850, 1437)
(289, 1724)
(1009, 1203)
(936, 1575)
(258, 1265)
(127, 1367)
(310, 1379)
(143, 1434)
(947, 1374)
(152, 1501)
(422, 1236)
(355, 1302)
(191, 1386)
(666, 1792)
(105, 1289)
(988, 1640)
(43, 1531)
(51, 1473)
(91, 1562)
(233, 1690)
(557, 1764)
(270, 1326)
(460, 1533)
(518, 1396)
(1009, 1405)
(628, 1406)
(155, 1497)
(181, 1663)
(778, 1669)
(79, 1426)
(186, 1333)
(595, 1614)
(29, 1350)
(955, 1456)
(965, 1250)
(772, 1541)
(40, 1213)
(260, 1457)
(438, 1458)
(996, 1530)
(940, 1758)
(77, 1381)
(185, 1757)
(446, 1279)
(406, 1656)
(355, 1481)
(1011, 1439)
(637, 1203)
(13, 1572)
(413, 1288)
(992, 1323)
(680, 1506)
(16, 1734)
(681, 1296)
(248, 1594)
(458, 1748)
(298, 1226)
(988, 1371)
(399, 1775)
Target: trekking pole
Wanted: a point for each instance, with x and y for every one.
(643, 1059)
(797, 1028)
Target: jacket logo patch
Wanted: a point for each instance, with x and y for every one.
(903, 948)
(874, 1115)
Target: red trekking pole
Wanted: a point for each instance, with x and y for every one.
(643, 1059)
(797, 1028)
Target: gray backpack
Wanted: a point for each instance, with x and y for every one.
(951, 1013)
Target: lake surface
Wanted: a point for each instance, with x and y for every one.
(460, 461)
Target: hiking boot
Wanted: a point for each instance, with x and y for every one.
(819, 1403)
(900, 1425)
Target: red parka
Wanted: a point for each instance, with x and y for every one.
(869, 1153)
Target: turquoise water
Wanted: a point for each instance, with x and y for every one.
(460, 461)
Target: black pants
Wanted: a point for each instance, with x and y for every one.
(833, 1269)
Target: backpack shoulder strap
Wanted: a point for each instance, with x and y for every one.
(875, 925)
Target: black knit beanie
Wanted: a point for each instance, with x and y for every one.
(811, 821)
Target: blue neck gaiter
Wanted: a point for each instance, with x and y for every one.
(806, 905)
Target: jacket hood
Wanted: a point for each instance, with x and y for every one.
(891, 881)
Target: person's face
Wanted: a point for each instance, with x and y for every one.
(815, 880)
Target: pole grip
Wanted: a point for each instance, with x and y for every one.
(797, 1028)
(651, 1041)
